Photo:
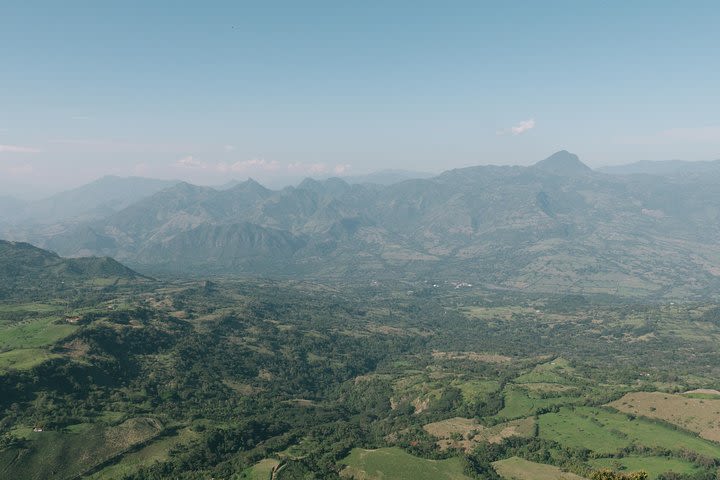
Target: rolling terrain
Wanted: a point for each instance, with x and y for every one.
(247, 378)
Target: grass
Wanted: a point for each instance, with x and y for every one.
(33, 334)
(21, 345)
(521, 403)
(54, 454)
(556, 371)
(261, 470)
(515, 468)
(37, 308)
(385, 463)
(606, 432)
(24, 359)
(473, 433)
(156, 451)
(653, 465)
(699, 415)
(473, 390)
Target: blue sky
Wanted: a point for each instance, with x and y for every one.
(209, 91)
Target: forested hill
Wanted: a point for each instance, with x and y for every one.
(25, 269)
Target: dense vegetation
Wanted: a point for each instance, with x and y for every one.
(144, 379)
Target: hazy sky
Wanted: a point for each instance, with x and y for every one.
(209, 91)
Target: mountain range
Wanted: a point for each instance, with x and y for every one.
(555, 225)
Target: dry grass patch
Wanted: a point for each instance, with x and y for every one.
(473, 356)
(515, 468)
(466, 433)
(698, 415)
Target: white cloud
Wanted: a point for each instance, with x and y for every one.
(523, 127)
(190, 162)
(252, 165)
(520, 128)
(18, 149)
(340, 169)
(229, 148)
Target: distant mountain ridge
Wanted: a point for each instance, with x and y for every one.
(663, 167)
(94, 200)
(555, 225)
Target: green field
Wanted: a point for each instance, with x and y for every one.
(75, 451)
(385, 463)
(261, 470)
(23, 359)
(156, 451)
(653, 465)
(515, 468)
(520, 403)
(476, 389)
(34, 333)
(556, 371)
(605, 432)
(21, 344)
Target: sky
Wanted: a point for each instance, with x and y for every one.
(218, 90)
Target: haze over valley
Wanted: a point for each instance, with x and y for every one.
(359, 241)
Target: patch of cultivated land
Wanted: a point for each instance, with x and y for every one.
(521, 403)
(606, 432)
(473, 433)
(655, 466)
(473, 356)
(156, 451)
(515, 468)
(21, 344)
(262, 470)
(74, 452)
(386, 463)
(698, 415)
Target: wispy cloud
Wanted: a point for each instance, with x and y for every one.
(190, 162)
(18, 149)
(520, 128)
(252, 165)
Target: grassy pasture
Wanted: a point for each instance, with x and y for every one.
(473, 433)
(522, 403)
(606, 432)
(699, 415)
(653, 465)
(73, 452)
(24, 359)
(261, 470)
(557, 371)
(385, 463)
(21, 344)
(156, 451)
(34, 333)
(515, 468)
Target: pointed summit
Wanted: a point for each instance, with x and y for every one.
(563, 163)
